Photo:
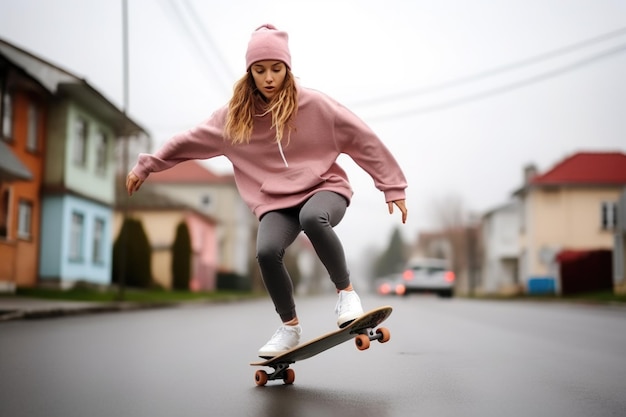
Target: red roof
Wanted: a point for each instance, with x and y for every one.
(188, 172)
(586, 168)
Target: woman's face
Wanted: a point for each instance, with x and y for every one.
(269, 77)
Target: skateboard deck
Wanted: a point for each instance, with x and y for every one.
(363, 329)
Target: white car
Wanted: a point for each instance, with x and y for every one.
(430, 276)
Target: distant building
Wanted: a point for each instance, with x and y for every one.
(214, 195)
(160, 217)
(434, 244)
(500, 237)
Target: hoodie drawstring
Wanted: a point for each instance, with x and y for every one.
(280, 149)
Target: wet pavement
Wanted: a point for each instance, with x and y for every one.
(445, 358)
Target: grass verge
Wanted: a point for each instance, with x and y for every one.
(131, 295)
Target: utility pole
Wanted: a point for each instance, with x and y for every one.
(125, 138)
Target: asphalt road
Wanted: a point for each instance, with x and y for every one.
(446, 358)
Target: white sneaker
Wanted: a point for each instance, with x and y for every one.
(285, 338)
(348, 308)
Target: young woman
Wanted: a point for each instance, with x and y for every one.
(283, 141)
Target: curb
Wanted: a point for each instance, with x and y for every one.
(56, 312)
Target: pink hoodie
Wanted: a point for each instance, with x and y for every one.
(271, 175)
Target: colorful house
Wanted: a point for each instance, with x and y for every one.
(572, 206)
(214, 195)
(69, 202)
(24, 104)
(160, 217)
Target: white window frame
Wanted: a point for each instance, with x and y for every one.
(79, 148)
(608, 215)
(77, 233)
(32, 136)
(102, 151)
(7, 115)
(99, 227)
(25, 219)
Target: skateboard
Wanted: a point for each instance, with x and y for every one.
(363, 330)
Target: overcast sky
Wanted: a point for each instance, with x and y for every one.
(463, 92)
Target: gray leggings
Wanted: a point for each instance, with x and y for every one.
(278, 229)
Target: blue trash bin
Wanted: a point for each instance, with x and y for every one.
(541, 285)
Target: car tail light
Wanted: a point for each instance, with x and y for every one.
(400, 289)
(407, 275)
(449, 277)
(384, 289)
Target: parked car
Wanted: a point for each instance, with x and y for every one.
(390, 285)
(428, 275)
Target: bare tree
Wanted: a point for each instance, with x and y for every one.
(449, 212)
(455, 238)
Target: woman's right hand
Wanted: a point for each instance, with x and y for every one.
(133, 183)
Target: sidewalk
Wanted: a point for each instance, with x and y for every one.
(18, 308)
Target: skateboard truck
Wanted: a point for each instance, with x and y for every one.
(365, 336)
(281, 371)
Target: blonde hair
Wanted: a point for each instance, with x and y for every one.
(241, 109)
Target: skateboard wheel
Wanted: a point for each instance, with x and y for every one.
(290, 376)
(384, 334)
(260, 377)
(362, 342)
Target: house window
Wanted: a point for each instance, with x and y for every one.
(80, 142)
(609, 215)
(101, 152)
(5, 198)
(205, 201)
(33, 127)
(98, 242)
(7, 115)
(76, 237)
(25, 219)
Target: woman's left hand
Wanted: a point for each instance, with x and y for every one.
(401, 204)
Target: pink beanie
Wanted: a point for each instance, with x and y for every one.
(268, 43)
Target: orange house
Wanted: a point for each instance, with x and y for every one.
(23, 112)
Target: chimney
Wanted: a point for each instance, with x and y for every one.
(530, 171)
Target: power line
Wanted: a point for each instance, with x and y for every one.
(505, 88)
(494, 71)
(182, 25)
(208, 38)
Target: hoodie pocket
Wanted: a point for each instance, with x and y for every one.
(291, 182)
